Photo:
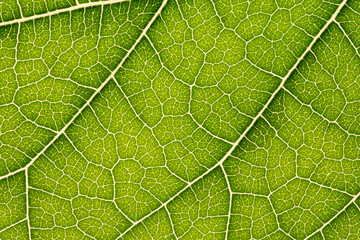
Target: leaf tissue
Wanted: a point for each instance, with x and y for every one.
(180, 119)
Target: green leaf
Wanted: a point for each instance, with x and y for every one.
(179, 119)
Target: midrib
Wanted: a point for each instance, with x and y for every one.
(51, 13)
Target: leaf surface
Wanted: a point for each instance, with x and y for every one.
(204, 119)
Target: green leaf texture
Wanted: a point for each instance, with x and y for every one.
(180, 119)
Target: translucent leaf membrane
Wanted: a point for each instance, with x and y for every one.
(179, 120)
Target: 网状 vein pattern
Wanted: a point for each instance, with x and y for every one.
(259, 115)
(180, 119)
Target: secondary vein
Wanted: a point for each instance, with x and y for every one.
(253, 121)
